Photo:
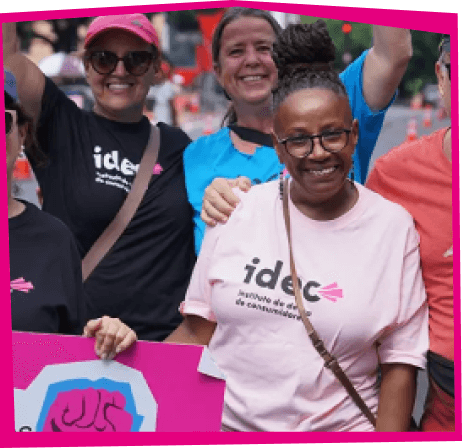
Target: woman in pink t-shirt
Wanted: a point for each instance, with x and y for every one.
(357, 260)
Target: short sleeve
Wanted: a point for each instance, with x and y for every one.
(406, 340)
(370, 122)
(385, 179)
(380, 181)
(195, 187)
(198, 300)
(373, 180)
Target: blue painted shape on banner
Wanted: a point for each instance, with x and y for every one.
(81, 384)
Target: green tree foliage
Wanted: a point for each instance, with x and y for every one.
(421, 68)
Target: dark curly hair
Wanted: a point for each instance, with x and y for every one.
(32, 148)
(229, 16)
(303, 55)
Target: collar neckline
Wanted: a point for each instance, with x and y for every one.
(252, 135)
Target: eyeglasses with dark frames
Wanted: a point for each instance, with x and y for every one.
(301, 146)
(11, 118)
(136, 63)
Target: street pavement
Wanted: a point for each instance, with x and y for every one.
(395, 126)
(394, 132)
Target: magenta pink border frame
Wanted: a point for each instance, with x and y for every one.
(425, 21)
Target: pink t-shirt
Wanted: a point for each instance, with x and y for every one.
(362, 286)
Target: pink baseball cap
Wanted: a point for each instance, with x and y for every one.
(137, 24)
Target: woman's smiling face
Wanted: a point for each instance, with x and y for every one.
(320, 176)
(120, 96)
(246, 69)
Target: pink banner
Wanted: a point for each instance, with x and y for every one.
(61, 386)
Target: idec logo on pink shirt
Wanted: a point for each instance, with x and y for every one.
(269, 278)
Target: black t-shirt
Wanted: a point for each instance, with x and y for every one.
(46, 279)
(92, 163)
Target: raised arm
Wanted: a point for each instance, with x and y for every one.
(385, 64)
(29, 78)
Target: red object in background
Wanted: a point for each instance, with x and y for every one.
(346, 28)
(417, 101)
(208, 125)
(194, 104)
(22, 169)
(166, 69)
(411, 131)
(204, 63)
(427, 121)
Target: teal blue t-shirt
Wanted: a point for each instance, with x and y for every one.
(214, 155)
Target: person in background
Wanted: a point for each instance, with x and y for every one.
(46, 288)
(241, 51)
(418, 176)
(164, 92)
(93, 157)
(357, 260)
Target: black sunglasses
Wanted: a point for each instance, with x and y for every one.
(135, 62)
(10, 119)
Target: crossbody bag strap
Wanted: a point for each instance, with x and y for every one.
(329, 360)
(125, 214)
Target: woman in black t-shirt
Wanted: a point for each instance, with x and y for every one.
(93, 157)
(45, 269)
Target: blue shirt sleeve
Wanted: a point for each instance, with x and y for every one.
(215, 156)
(195, 187)
(370, 122)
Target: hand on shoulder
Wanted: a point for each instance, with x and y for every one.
(219, 200)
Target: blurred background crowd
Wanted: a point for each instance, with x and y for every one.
(189, 96)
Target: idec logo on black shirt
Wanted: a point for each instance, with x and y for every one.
(269, 278)
(111, 161)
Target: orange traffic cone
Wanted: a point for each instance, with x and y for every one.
(427, 121)
(22, 170)
(411, 131)
(441, 114)
(194, 103)
(416, 101)
(208, 125)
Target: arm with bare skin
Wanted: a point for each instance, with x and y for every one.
(194, 330)
(29, 78)
(385, 65)
(397, 395)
